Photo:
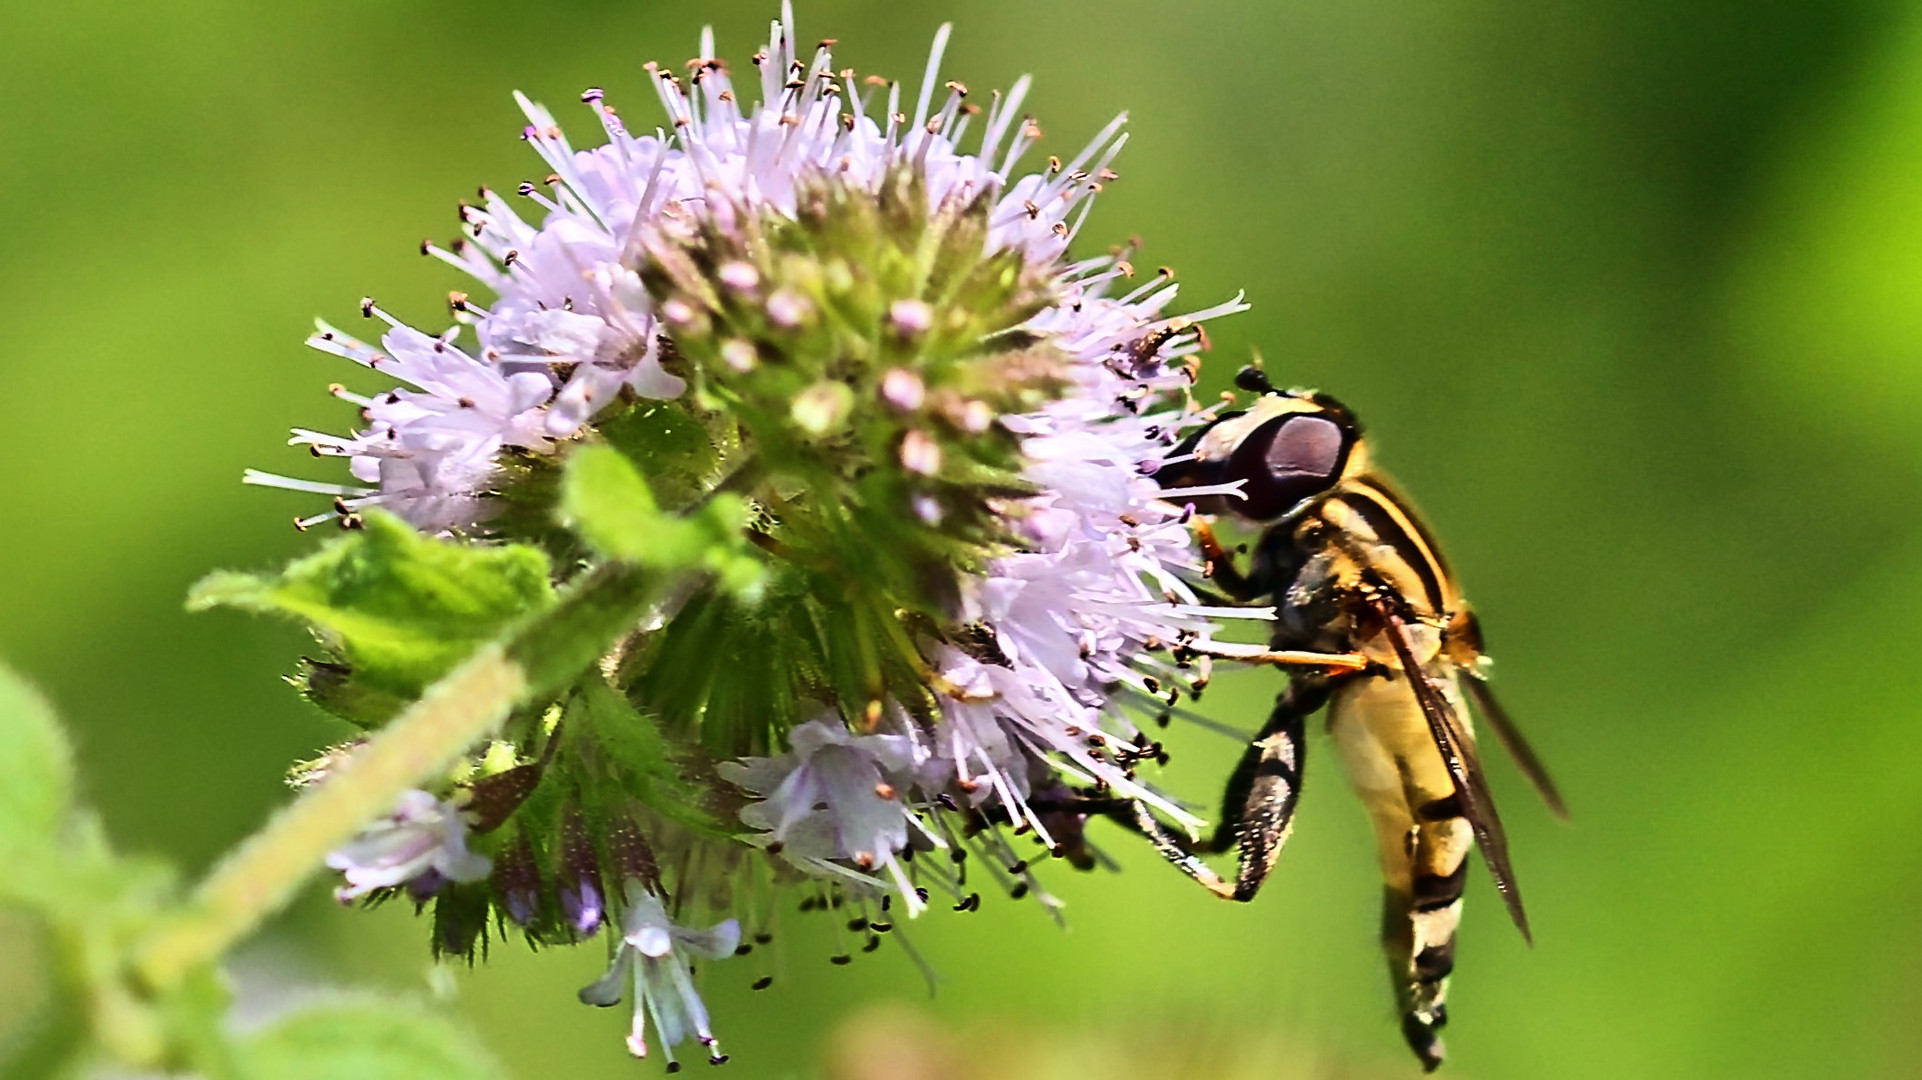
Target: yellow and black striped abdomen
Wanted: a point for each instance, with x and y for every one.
(1421, 837)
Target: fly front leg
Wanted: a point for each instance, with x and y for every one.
(1220, 566)
(1258, 807)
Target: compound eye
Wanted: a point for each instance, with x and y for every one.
(1284, 461)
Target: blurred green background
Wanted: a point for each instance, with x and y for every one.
(1630, 292)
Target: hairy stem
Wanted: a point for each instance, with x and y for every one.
(260, 876)
(466, 706)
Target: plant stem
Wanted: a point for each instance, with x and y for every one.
(540, 659)
(262, 874)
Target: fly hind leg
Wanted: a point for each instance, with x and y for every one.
(1258, 808)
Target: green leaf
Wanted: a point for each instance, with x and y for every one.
(367, 1039)
(672, 448)
(608, 502)
(36, 772)
(645, 767)
(401, 608)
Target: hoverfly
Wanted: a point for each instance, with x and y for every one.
(1357, 580)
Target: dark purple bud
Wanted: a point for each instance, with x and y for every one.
(517, 882)
(425, 885)
(583, 901)
(633, 857)
(582, 905)
(493, 799)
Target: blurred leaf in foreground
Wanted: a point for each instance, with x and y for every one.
(36, 771)
(367, 1039)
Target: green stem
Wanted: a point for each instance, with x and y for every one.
(466, 706)
(262, 874)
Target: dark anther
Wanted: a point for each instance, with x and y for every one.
(1019, 868)
(673, 1066)
(774, 847)
(1020, 890)
(958, 855)
(367, 307)
(873, 943)
(763, 938)
(972, 903)
(881, 927)
(857, 925)
(842, 960)
(763, 982)
(743, 949)
(718, 1059)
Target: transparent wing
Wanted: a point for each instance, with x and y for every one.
(1511, 739)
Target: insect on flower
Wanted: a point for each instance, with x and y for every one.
(1372, 625)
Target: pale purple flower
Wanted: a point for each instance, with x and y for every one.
(571, 327)
(422, 846)
(835, 805)
(1078, 616)
(651, 968)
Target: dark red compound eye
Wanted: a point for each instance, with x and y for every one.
(1284, 461)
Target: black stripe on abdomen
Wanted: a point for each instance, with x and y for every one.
(1434, 963)
(1433, 892)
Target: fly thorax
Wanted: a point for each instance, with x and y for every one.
(1310, 610)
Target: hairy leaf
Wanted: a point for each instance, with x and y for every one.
(643, 766)
(609, 503)
(401, 609)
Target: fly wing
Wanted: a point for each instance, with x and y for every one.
(1511, 739)
(1458, 753)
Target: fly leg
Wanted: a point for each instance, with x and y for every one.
(1220, 566)
(1258, 808)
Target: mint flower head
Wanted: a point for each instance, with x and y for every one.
(808, 357)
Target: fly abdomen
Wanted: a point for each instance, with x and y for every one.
(1423, 842)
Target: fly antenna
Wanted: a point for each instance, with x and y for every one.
(1254, 380)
